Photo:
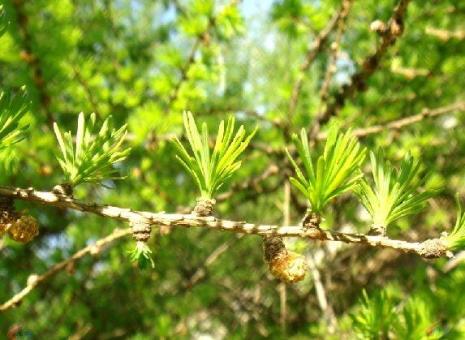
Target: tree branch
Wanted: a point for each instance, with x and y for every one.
(431, 248)
(389, 35)
(445, 35)
(34, 280)
(312, 52)
(335, 47)
(403, 122)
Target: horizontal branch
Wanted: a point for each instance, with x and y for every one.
(445, 35)
(34, 280)
(403, 122)
(432, 248)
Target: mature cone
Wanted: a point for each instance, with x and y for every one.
(285, 265)
(24, 229)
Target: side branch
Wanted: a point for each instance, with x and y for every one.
(312, 52)
(34, 280)
(389, 35)
(432, 248)
(403, 122)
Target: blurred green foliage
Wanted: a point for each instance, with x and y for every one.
(144, 62)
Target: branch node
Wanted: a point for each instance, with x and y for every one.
(32, 280)
(204, 207)
(434, 248)
(311, 220)
(141, 230)
(377, 230)
(378, 26)
(64, 189)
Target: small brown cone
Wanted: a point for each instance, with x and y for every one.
(285, 265)
(24, 229)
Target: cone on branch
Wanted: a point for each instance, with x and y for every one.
(24, 229)
(19, 226)
(285, 265)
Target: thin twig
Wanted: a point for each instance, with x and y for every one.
(321, 295)
(313, 50)
(431, 248)
(335, 47)
(445, 35)
(389, 35)
(87, 90)
(201, 272)
(403, 122)
(201, 39)
(34, 280)
(397, 124)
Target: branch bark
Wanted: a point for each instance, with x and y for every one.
(431, 248)
(403, 122)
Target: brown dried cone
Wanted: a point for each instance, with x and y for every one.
(285, 265)
(24, 229)
(204, 206)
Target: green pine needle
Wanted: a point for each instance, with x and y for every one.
(90, 156)
(142, 255)
(375, 316)
(382, 316)
(12, 109)
(395, 193)
(335, 172)
(417, 322)
(4, 22)
(456, 239)
(211, 168)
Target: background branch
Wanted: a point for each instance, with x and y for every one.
(393, 30)
(34, 280)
